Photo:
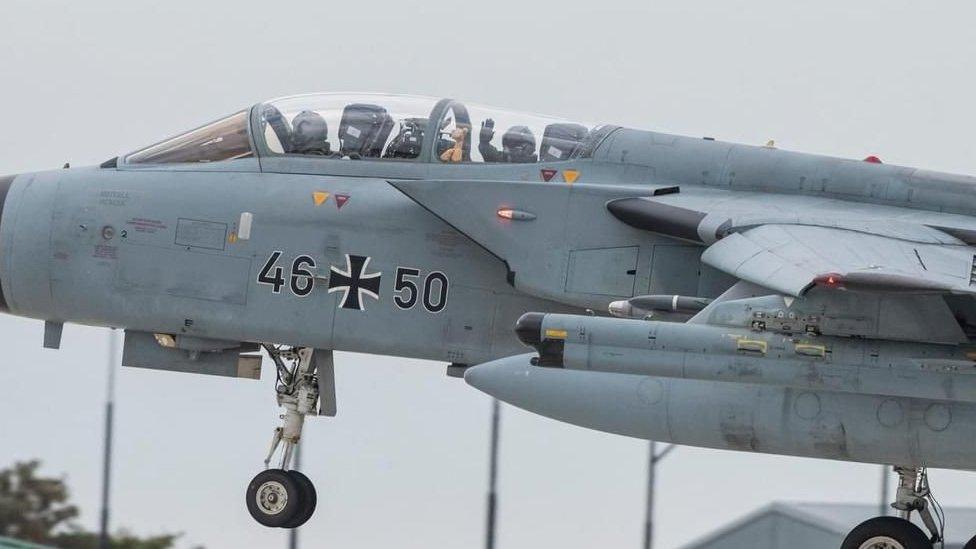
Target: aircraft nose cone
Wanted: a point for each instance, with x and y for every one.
(5, 182)
(620, 309)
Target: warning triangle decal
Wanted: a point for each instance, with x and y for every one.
(547, 174)
(319, 197)
(341, 200)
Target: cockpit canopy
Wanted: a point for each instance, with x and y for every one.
(377, 127)
(346, 126)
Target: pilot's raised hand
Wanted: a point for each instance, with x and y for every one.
(487, 131)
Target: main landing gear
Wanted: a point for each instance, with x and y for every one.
(282, 497)
(899, 532)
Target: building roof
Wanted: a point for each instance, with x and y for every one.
(840, 518)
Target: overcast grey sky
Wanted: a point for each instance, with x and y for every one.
(404, 464)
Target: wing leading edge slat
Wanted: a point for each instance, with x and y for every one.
(791, 259)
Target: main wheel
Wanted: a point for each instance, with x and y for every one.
(309, 500)
(886, 533)
(274, 497)
(971, 544)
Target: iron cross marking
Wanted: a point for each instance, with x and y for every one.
(353, 282)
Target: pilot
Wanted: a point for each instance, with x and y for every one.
(518, 144)
(310, 135)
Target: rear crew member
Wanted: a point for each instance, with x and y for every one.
(518, 144)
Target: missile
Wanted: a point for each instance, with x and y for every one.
(646, 306)
(739, 355)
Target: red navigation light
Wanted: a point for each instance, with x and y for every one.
(830, 280)
(873, 159)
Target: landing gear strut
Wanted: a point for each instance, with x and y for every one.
(283, 497)
(899, 532)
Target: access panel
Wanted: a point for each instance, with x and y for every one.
(603, 271)
(675, 270)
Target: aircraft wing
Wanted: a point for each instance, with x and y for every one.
(866, 248)
(791, 259)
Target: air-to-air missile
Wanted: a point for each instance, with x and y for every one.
(648, 306)
(717, 353)
(791, 392)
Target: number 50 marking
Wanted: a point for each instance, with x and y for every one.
(434, 294)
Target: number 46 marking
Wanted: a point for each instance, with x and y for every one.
(434, 294)
(301, 280)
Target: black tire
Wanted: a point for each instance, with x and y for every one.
(890, 529)
(971, 544)
(274, 498)
(309, 500)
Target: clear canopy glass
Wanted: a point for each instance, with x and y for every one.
(377, 127)
(347, 125)
(225, 139)
(489, 134)
(405, 127)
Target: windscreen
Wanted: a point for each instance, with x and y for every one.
(225, 139)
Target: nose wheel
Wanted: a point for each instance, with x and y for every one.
(279, 498)
(899, 532)
(309, 499)
(283, 497)
(886, 533)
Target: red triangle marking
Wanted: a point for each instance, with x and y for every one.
(548, 173)
(341, 200)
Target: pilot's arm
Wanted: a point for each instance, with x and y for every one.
(487, 150)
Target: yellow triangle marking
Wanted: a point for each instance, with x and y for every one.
(319, 197)
(571, 175)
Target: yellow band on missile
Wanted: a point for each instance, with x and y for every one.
(754, 345)
(555, 334)
(807, 349)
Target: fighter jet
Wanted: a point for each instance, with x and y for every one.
(671, 288)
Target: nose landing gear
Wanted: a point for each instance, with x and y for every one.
(899, 532)
(282, 497)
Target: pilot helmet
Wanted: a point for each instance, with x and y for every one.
(310, 132)
(519, 142)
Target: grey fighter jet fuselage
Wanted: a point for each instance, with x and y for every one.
(829, 303)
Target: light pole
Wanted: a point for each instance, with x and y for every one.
(297, 466)
(883, 504)
(653, 458)
(492, 476)
(113, 353)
